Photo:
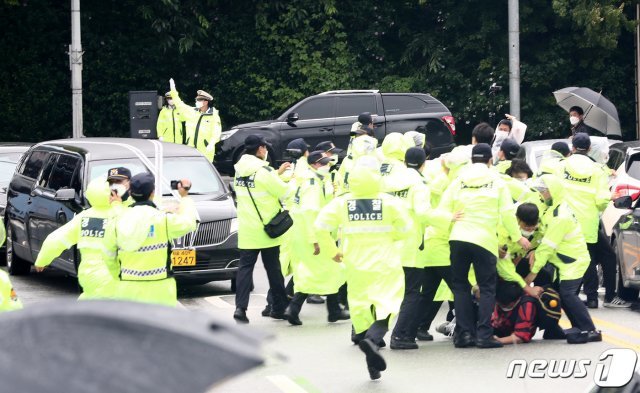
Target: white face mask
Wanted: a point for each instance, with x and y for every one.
(574, 120)
(334, 160)
(170, 102)
(323, 170)
(199, 104)
(527, 233)
(120, 189)
(266, 154)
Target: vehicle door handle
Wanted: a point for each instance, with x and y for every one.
(35, 192)
(326, 129)
(61, 217)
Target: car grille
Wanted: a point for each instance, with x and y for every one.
(213, 232)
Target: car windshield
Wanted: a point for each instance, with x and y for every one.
(203, 178)
(6, 171)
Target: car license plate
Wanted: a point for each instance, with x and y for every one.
(183, 257)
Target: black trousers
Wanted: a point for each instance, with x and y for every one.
(244, 277)
(601, 253)
(333, 303)
(463, 254)
(575, 309)
(421, 285)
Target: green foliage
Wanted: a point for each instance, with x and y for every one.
(258, 58)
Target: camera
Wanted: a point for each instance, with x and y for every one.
(174, 184)
(493, 89)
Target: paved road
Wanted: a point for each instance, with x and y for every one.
(319, 357)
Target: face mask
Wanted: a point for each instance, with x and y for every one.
(120, 189)
(199, 104)
(573, 120)
(527, 233)
(170, 102)
(334, 160)
(266, 154)
(323, 170)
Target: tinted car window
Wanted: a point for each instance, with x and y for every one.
(204, 179)
(317, 108)
(403, 104)
(46, 172)
(34, 164)
(355, 105)
(634, 169)
(63, 173)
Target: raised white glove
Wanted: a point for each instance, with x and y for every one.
(172, 84)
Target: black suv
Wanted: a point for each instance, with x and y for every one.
(329, 116)
(48, 187)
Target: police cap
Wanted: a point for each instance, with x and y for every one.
(142, 185)
(328, 147)
(510, 148)
(119, 173)
(581, 141)
(203, 95)
(254, 141)
(318, 157)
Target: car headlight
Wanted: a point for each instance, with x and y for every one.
(234, 225)
(227, 134)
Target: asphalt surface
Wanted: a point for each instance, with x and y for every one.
(319, 357)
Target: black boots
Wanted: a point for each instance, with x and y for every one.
(240, 315)
(375, 361)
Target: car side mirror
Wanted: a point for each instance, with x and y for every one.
(292, 117)
(624, 202)
(65, 194)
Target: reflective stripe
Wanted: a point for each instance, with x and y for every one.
(143, 273)
(550, 243)
(153, 247)
(377, 229)
(572, 235)
(324, 226)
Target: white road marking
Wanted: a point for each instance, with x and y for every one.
(219, 302)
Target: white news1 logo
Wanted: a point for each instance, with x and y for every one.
(615, 372)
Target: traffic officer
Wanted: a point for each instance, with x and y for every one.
(553, 160)
(144, 249)
(371, 222)
(119, 180)
(587, 196)
(259, 191)
(508, 151)
(8, 299)
(485, 202)
(563, 245)
(203, 127)
(409, 185)
(170, 127)
(365, 121)
(93, 232)
(313, 269)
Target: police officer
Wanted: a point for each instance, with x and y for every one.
(553, 160)
(119, 182)
(170, 127)
(563, 245)
(144, 235)
(587, 196)
(93, 232)
(203, 127)
(259, 191)
(410, 187)
(371, 222)
(330, 150)
(508, 151)
(485, 202)
(365, 121)
(8, 299)
(363, 144)
(313, 268)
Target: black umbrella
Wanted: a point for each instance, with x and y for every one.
(599, 112)
(119, 347)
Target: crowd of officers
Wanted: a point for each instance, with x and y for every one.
(399, 234)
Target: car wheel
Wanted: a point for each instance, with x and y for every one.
(15, 265)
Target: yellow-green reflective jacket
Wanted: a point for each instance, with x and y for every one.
(203, 130)
(143, 234)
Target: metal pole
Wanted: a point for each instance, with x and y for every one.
(637, 72)
(75, 64)
(514, 58)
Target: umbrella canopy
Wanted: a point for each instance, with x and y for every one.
(109, 346)
(599, 112)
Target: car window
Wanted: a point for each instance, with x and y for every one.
(197, 169)
(34, 164)
(63, 173)
(316, 108)
(355, 105)
(634, 169)
(403, 104)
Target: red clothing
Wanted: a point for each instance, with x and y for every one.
(519, 321)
